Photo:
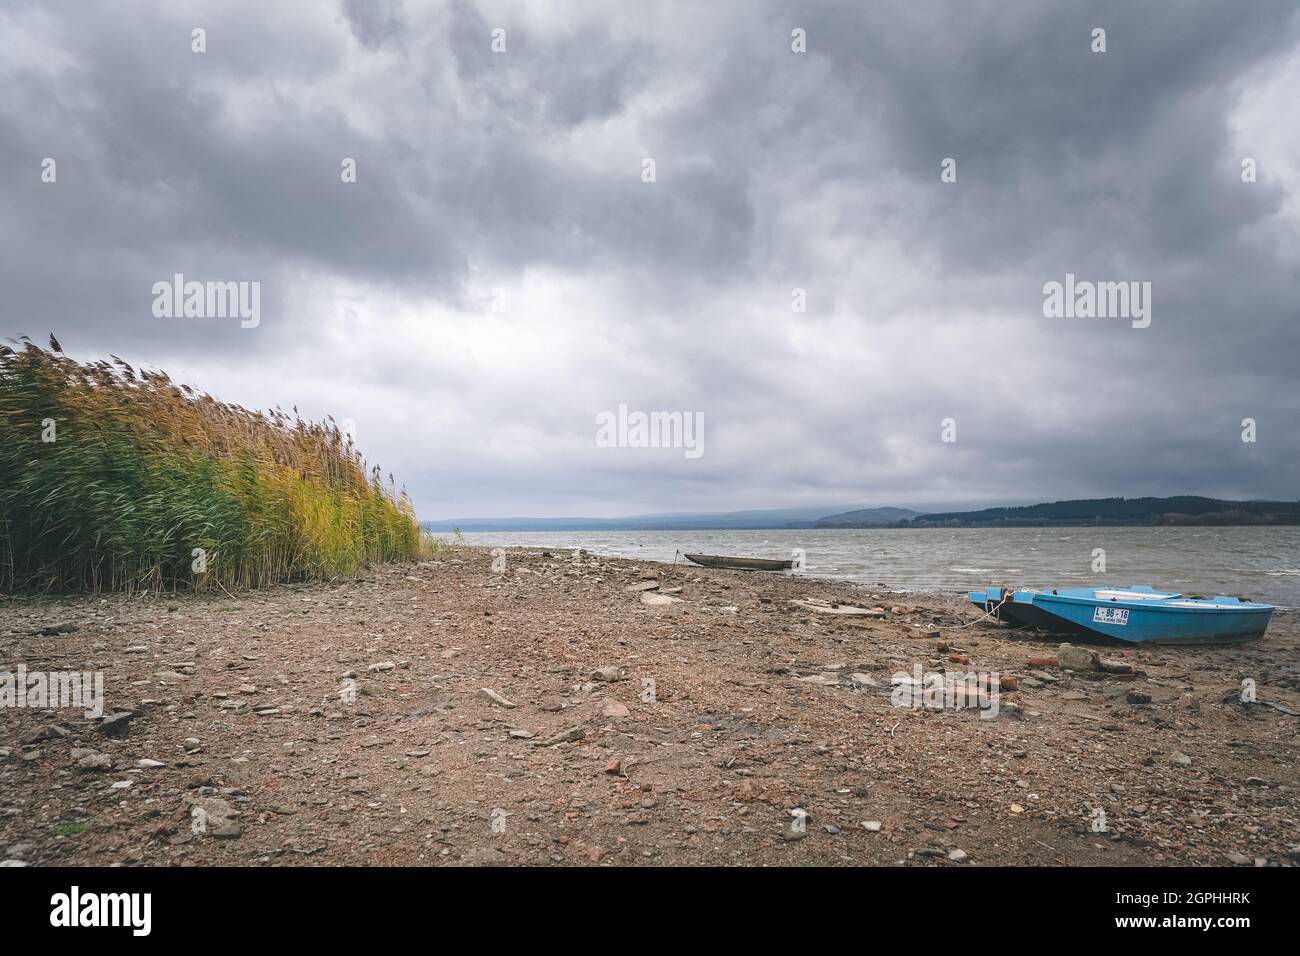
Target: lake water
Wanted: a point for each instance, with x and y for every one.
(1261, 563)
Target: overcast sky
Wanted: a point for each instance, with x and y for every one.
(501, 273)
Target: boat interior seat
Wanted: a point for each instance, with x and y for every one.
(1115, 594)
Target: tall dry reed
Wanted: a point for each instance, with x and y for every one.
(117, 479)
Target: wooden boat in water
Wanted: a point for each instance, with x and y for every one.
(1139, 614)
(740, 564)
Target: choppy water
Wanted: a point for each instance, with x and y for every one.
(1261, 563)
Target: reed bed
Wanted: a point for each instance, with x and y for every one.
(115, 479)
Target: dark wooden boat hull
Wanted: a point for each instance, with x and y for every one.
(739, 564)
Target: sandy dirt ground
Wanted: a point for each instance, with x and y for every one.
(445, 713)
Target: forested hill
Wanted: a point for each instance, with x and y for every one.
(1179, 510)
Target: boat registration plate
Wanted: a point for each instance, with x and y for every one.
(1110, 615)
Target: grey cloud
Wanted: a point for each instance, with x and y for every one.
(522, 171)
(373, 22)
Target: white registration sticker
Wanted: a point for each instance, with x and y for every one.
(1110, 615)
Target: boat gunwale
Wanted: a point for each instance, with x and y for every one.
(1047, 597)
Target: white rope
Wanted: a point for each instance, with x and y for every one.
(992, 610)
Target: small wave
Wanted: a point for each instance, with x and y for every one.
(1281, 571)
(972, 570)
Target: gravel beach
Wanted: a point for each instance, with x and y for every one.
(576, 710)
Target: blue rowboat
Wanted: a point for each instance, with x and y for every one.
(1136, 614)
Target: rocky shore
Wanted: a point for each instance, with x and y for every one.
(573, 709)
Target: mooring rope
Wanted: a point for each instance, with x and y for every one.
(992, 610)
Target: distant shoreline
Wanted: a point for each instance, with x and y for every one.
(440, 527)
(1177, 511)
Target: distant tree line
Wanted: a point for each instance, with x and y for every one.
(1178, 510)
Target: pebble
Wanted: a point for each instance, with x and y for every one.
(95, 761)
(564, 736)
(1077, 658)
(118, 725)
(496, 698)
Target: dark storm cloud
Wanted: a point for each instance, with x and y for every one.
(518, 175)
